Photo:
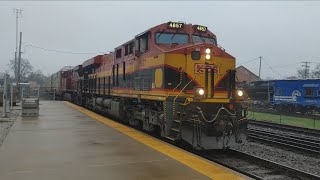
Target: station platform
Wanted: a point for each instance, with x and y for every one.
(69, 142)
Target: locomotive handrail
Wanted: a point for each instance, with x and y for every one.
(185, 87)
(210, 121)
(164, 108)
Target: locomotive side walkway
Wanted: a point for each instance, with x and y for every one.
(70, 142)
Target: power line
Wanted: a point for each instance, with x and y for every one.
(285, 65)
(274, 71)
(250, 60)
(60, 51)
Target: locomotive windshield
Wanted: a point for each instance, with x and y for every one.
(197, 39)
(171, 38)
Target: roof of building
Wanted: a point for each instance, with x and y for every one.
(248, 71)
(251, 74)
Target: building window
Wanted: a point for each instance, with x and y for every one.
(279, 92)
(309, 92)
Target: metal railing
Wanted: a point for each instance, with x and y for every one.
(289, 116)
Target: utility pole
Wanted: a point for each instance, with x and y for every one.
(306, 70)
(19, 64)
(18, 15)
(5, 96)
(260, 66)
(11, 96)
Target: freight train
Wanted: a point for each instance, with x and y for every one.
(290, 96)
(61, 83)
(172, 79)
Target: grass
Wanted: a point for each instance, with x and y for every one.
(289, 120)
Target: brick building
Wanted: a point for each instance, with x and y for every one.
(245, 76)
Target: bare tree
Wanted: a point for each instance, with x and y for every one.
(301, 73)
(37, 76)
(26, 68)
(316, 71)
(292, 77)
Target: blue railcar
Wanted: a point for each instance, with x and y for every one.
(297, 95)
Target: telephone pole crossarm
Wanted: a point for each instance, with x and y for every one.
(306, 70)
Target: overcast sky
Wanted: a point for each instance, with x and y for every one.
(283, 33)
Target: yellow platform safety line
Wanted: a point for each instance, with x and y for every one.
(202, 166)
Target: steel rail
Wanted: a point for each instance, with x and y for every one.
(302, 143)
(307, 131)
(256, 167)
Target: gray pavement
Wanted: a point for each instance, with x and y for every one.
(63, 143)
(7, 122)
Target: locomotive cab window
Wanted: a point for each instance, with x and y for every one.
(200, 39)
(171, 38)
(308, 92)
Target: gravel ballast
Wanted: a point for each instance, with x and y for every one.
(304, 161)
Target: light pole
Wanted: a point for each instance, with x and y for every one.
(18, 15)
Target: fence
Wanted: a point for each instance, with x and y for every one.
(290, 116)
(41, 93)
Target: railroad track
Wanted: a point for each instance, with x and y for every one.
(292, 141)
(288, 140)
(256, 167)
(249, 165)
(306, 131)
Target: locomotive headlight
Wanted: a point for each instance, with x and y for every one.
(200, 91)
(240, 93)
(208, 51)
(208, 56)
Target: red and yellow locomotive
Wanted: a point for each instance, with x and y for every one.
(172, 79)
